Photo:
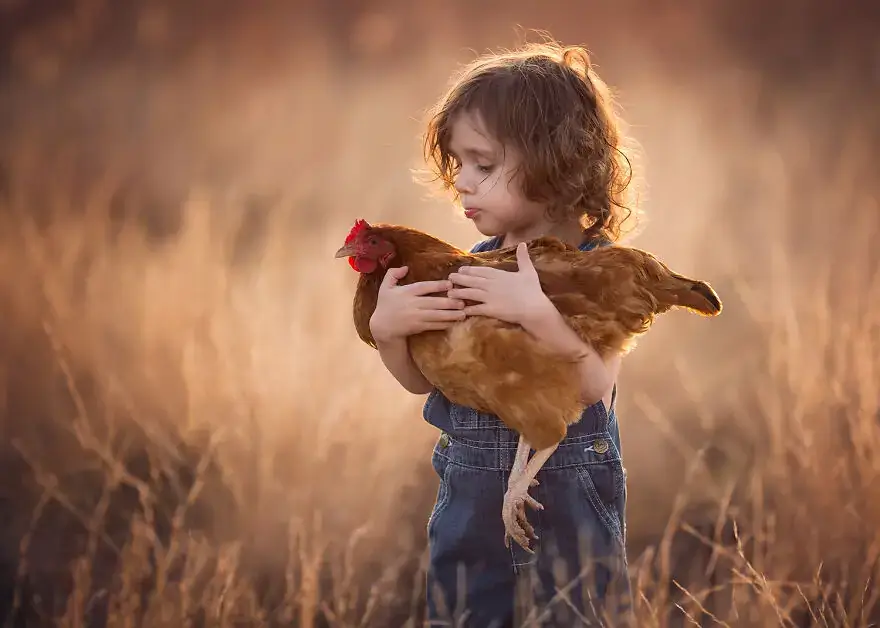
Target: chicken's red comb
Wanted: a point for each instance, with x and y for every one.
(360, 225)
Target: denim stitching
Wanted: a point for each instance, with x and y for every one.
(442, 498)
(466, 466)
(601, 509)
(496, 444)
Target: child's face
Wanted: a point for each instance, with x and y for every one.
(489, 191)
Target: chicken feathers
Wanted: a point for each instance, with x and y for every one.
(609, 296)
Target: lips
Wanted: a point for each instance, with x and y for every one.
(470, 212)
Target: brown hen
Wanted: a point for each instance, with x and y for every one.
(609, 296)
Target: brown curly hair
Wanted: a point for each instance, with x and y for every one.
(546, 102)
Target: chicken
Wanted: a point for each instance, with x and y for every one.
(609, 296)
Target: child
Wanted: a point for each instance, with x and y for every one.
(530, 145)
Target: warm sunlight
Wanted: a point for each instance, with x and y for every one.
(193, 433)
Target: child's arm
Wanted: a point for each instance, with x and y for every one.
(402, 311)
(396, 358)
(596, 375)
(517, 297)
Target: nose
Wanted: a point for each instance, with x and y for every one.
(464, 184)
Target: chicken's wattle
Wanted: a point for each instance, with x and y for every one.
(361, 264)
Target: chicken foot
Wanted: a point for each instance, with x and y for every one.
(519, 466)
(522, 477)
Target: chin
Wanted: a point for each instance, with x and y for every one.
(489, 233)
(487, 227)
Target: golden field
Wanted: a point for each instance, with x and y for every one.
(192, 433)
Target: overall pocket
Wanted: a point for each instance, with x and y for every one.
(604, 484)
(441, 467)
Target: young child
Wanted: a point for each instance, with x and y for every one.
(530, 145)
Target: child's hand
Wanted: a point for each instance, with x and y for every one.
(405, 310)
(515, 297)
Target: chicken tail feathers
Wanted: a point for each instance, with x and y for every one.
(697, 296)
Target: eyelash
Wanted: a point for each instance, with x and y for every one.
(457, 165)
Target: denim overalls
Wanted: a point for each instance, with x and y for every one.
(473, 579)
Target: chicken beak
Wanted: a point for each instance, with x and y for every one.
(346, 251)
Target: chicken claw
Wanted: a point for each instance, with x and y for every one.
(513, 513)
(513, 510)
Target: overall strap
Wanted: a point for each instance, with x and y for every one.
(594, 244)
(487, 245)
(495, 242)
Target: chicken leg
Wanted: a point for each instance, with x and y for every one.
(519, 462)
(522, 477)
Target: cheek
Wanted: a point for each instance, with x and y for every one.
(503, 186)
(504, 197)
(513, 185)
(517, 201)
(490, 188)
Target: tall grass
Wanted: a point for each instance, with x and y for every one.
(150, 354)
(208, 442)
(192, 434)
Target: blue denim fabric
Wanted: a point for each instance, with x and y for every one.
(473, 579)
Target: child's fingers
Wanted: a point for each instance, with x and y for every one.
(468, 281)
(481, 309)
(472, 294)
(437, 325)
(434, 316)
(440, 303)
(524, 262)
(393, 276)
(480, 271)
(421, 288)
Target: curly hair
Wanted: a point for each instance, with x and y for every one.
(546, 102)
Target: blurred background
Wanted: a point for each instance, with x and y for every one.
(191, 433)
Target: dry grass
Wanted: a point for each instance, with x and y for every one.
(194, 435)
(164, 359)
(213, 447)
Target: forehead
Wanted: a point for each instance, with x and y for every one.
(468, 136)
